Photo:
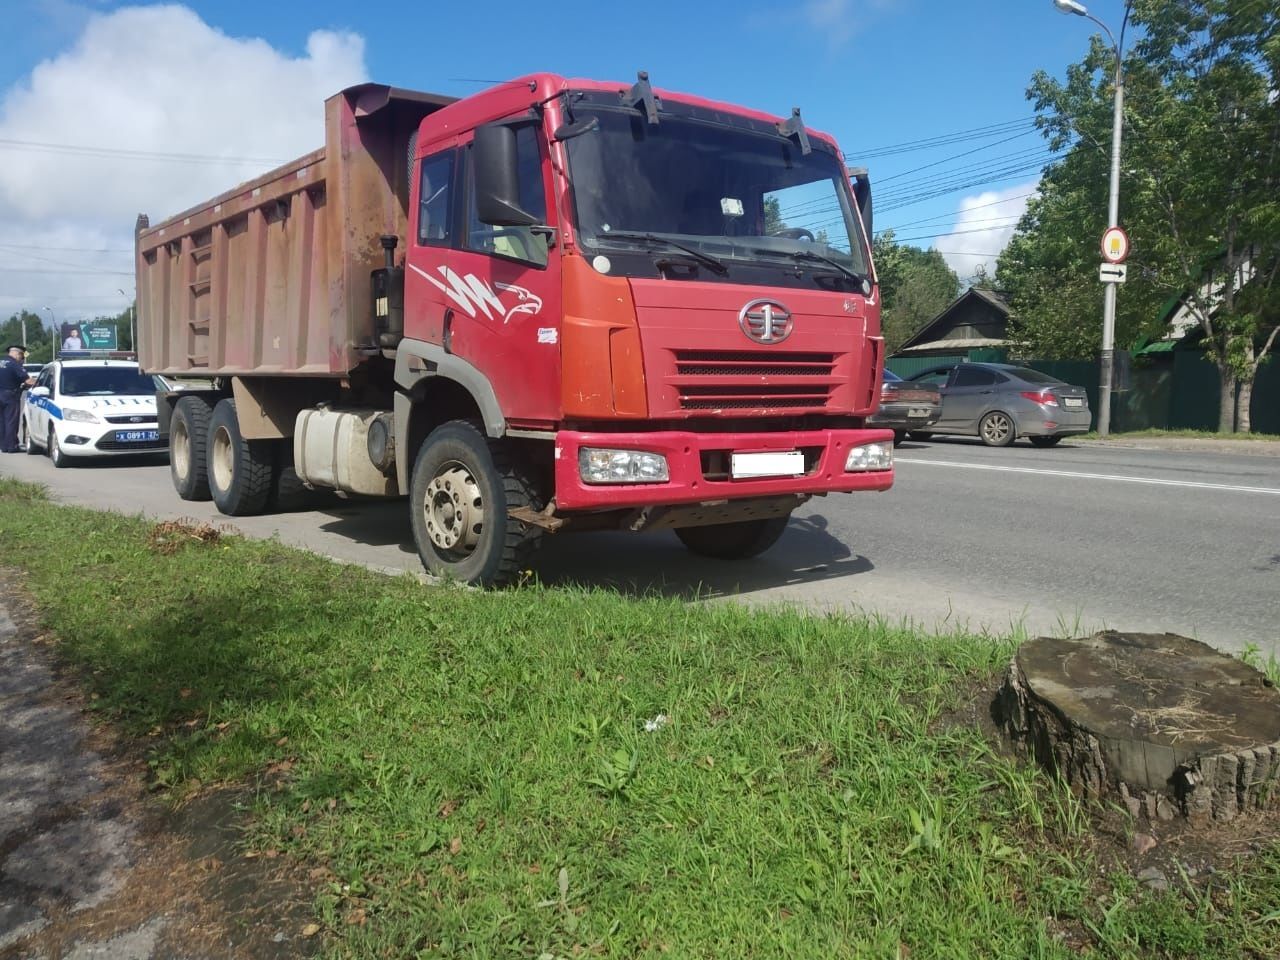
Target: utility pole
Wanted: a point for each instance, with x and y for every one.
(1107, 359)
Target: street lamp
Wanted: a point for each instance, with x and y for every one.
(53, 329)
(1113, 212)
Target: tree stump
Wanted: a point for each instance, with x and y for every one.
(1167, 724)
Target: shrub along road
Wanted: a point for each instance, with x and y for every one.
(557, 772)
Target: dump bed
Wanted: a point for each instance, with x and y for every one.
(273, 276)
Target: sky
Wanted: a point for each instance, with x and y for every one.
(110, 109)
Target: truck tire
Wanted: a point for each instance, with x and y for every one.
(188, 439)
(463, 488)
(733, 541)
(288, 492)
(240, 470)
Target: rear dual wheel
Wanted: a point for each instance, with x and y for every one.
(240, 471)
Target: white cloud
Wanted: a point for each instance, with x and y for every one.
(152, 80)
(839, 20)
(984, 223)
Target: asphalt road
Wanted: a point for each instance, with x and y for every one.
(1050, 541)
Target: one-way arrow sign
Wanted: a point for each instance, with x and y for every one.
(1112, 272)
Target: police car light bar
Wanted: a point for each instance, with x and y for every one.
(97, 355)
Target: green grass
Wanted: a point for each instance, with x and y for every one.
(474, 771)
(1181, 434)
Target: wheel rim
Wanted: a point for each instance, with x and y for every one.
(55, 452)
(180, 454)
(221, 459)
(453, 510)
(996, 428)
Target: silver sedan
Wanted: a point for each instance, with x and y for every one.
(999, 402)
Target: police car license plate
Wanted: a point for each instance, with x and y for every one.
(137, 436)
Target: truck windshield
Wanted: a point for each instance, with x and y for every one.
(105, 381)
(734, 194)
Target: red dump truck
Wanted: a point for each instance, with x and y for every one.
(554, 305)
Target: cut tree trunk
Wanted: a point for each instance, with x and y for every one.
(1164, 724)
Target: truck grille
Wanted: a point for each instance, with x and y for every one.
(748, 380)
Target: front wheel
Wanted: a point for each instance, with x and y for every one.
(32, 449)
(461, 495)
(1044, 441)
(733, 541)
(997, 429)
(56, 456)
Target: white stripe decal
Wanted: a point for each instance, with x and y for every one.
(1231, 488)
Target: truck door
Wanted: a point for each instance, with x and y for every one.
(432, 196)
(506, 314)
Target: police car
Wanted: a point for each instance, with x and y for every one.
(85, 406)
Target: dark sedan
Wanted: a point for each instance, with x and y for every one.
(906, 406)
(999, 402)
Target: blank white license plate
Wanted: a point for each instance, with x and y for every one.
(747, 465)
(917, 411)
(1072, 402)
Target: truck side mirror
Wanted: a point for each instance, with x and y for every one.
(862, 194)
(493, 157)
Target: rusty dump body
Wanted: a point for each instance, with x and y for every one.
(273, 277)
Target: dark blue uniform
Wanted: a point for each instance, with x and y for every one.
(12, 376)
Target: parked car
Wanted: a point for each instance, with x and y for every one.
(999, 402)
(33, 369)
(905, 406)
(91, 408)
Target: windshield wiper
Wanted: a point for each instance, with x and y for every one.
(706, 259)
(814, 256)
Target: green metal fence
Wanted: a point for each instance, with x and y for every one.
(1177, 390)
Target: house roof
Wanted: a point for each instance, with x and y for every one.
(969, 343)
(932, 335)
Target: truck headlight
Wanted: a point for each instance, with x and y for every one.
(869, 456)
(80, 416)
(601, 465)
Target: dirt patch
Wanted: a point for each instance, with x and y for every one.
(91, 863)
(170, 536)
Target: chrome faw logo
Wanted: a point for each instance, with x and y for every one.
(475, 296)
(765, 321)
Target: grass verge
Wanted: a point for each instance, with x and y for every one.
(1182, 434)
(558, 773)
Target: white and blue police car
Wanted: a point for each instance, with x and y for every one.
(86, 406)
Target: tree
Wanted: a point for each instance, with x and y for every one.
(1199, 198)
(39, 340)
(915, 286)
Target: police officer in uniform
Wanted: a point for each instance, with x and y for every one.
(13, 377)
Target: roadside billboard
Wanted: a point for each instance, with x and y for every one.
(94, 335)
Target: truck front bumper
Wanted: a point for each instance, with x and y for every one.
(699, 467)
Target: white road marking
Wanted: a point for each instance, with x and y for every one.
(1226, 487)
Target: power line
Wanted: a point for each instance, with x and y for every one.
(945, 139)
(944, 216)
(72, 149)
(955, 156)
(32, 246)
